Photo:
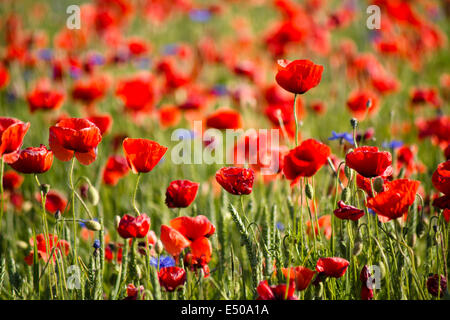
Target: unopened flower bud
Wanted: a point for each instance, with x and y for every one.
(21, 244)
(117, 221)
(346, 195)
(45, 188)
(93, 225)
(159, 247)
(348, 172)
(357, 249)
(57, 214)
(93, 195)
(309, 191)
(378, 184)
(354, 123)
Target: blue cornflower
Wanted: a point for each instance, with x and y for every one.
(342, 136)
(280, 226)
(96, 244)
(394, 144)
(220, 90)
(45, 54)
(164, 261)
(200, 15)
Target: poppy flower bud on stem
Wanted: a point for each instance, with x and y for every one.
(378, 184)
(346, 194)
(354, 123)
(93, 225)
(309, 191)
(57, 214)
(159, 247)
(45, 188)
(117, 221)
(348, 173)
(93, 195)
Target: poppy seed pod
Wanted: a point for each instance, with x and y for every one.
(309, 191)
(93, 225)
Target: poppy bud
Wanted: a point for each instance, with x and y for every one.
(21, 244)
(116, 221)
(348, 172)
(354, 123)
(309, 191)
(57, 214)
(45, 188)
(93, 195)
(93, 225)
(358, 247)
(159, 247)
(346, 195)
(378, 184)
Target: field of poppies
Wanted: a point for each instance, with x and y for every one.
(218, 150)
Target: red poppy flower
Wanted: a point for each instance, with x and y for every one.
(54, 201)
(103, 122)
(369, 162)
(142, 155)
(116, 168)
(33, 160)
(447, 152)
(437, 128)
(237, 181)
(193, 227)
(89, 90)
(361, 102)
(11, 180)
(137, 93)
(298, 76)
(174, 242)
(134, 227)
(201, 250)
(366, 293)
(347, 212)
(301, 275)
(181, 193)
(4, 76)
(171, 278)
(426, 95)
(441, 178)
(75, 136)
(62, 247)
(12, 132)
(278, 292)
(137, 46)
(334, 267)
(132, 292)
(395, 200)
(169, 116)
(44, 98)
(285, 112)
(305, 160)
(224, 119)
(437, 285)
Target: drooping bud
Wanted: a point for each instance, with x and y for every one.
(357, 249)
(348, 173)
(309, 191)
(93, 195)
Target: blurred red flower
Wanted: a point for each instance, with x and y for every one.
(441, 178)
(54, 201)
(298, 76)
(224, 119)
(369, 162)
(42, 97)
(362, 102)
(142, 154)
(237, 181)
(12, 180)
(137, 93)
(33, 160)
(181, 193)
(116, 168)
(103, 122)
(62, 247)
(75, 136)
